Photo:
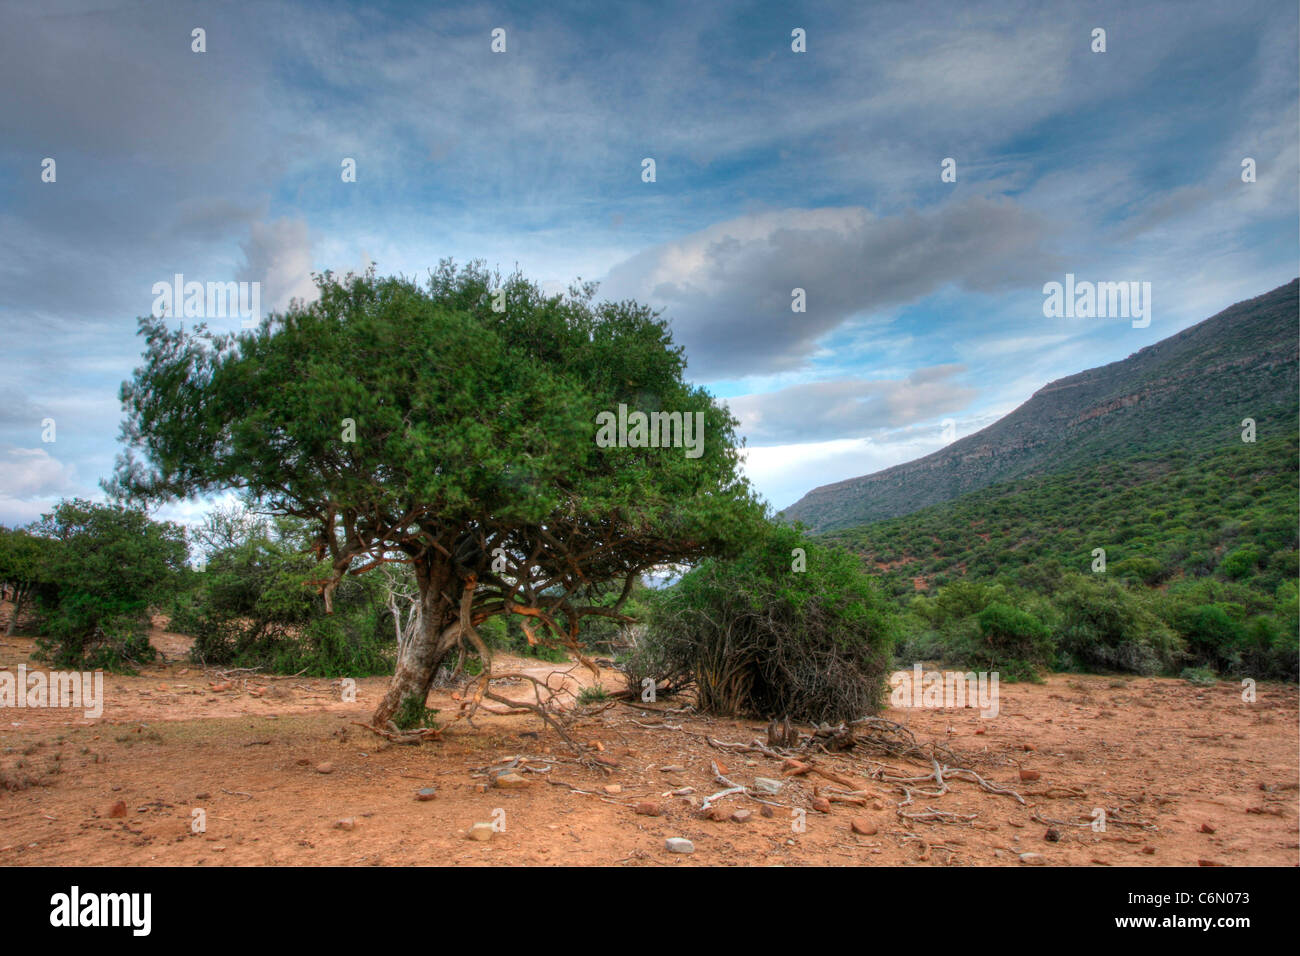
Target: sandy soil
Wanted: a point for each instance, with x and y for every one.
(1198, 776)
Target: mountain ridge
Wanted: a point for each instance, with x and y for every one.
(1191, 388)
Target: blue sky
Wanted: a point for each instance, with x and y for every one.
(774, 170)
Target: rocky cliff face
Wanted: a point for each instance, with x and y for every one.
(1192, 389)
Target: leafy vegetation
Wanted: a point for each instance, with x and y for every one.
(451, 426)
(1201, 566)
(760, 637)
(95, 571)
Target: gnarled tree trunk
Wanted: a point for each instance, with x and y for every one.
(439, 635)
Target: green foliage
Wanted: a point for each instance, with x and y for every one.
(1012, 641)
(762, 639)
(412, 713)
(102, 569)
(595, 694)
(1182, 532)
(1105, 626)
(253, 606)
(422, 422)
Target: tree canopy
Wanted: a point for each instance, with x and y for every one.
(451, 426)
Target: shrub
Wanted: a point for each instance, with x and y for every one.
(1103, 625)
(764, 640)
(103, 569)
(1012, 641)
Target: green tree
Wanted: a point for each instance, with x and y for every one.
(104, 567)
(22, 567)
(422, 425)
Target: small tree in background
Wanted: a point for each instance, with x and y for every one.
(104, 567)
(22, 567)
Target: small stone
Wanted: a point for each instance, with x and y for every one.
(613, 789)
(1033, 859)
(821, 805)
(742, 816)
(481, 832)
(717, 814)
(425, 793)
(202, 796)
(347, 823)
(325, 767)
(648, 808)
(1149, 850)
(510, 781)
(1206, 828)
(1029, 775)
(118, 809)
(768, 785)
(1052, 836)
(877, 805)
(863, 826)
(679, 845)
(767, 811)
(672, 768)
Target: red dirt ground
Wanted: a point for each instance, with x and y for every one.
(1200, 776)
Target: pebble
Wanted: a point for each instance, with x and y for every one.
(325, 767)
(347, 823)
(864, 826)
(118, 809)
(742, 816)
(425, 793)
(768, 785)
(481, 832)
(613, 789)
(510, 781)
(821, 805)
(648, 808)
(679, 845)
(1033, 859)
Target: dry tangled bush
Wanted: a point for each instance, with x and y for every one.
(760, 638)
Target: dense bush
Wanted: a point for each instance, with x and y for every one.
(1105, 626)
(253, 606)
(103, 568)
(762, 639)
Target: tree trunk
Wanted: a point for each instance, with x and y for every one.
(18, 606)
(438, 636)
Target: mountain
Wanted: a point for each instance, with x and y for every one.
(1188, 392)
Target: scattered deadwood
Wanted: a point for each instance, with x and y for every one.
(414, 736)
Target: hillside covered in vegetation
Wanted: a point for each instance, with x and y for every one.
(1200, 566)
(1189, 393)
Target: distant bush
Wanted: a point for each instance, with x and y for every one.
(1105, 626)
(253, 606)
(103, 568)
(1013, 642)
(1241, 562)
